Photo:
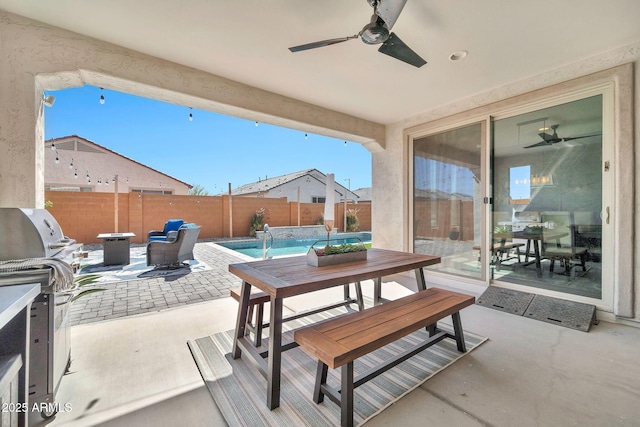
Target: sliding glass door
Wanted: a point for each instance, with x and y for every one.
(447, 199)
(549, 202)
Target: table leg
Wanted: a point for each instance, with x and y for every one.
(241, 321)
(422, 285)
(275, 354)
(377, 290)
(536, 248)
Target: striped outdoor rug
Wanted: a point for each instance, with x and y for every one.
(240, 390)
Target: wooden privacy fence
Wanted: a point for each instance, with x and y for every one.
(83, 216)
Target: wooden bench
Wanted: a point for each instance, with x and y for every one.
(257, 299)
(339, 341)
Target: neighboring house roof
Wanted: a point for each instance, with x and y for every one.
(64, 139)
(364, 194)
(441, 195)
(269, 184)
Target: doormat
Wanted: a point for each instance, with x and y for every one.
(570, 314)
(556, 311)
(514, 302)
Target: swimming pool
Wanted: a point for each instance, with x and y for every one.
(253, 248)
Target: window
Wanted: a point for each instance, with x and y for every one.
(66, 188)
(520, 185)
(136, 190)
(316, 199)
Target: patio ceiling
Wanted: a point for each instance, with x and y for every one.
(247, 41)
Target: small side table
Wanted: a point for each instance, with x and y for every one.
(116, 247)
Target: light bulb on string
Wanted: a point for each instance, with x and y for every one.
(101, 97)
(257, 124)
(345, 143)
(57, 158)
(190, 115)
(71, 164)
(53, 146)
(75, 174)
(306, 136)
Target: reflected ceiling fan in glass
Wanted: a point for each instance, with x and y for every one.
(554, 138)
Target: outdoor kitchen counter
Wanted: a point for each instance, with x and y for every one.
(15, 303)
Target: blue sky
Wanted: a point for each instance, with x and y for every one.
(211, 151)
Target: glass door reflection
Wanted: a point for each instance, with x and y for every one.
(548, 197)
(447, 199)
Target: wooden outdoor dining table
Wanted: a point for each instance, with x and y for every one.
(286, 277)
(536, 238)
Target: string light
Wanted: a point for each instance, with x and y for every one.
(345, 143)
(257, 124)
(71, 164)
(57, 158)
(306, 136)
(190, 115)
(75, 174)
(53, 146)
(101, 97)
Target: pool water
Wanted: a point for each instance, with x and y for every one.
(253, 248)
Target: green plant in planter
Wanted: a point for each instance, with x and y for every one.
(340, 249)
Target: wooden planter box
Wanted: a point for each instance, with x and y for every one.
(320, 261)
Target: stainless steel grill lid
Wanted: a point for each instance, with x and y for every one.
(30, 233)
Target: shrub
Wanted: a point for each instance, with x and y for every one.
(352, 222)
(257, 222)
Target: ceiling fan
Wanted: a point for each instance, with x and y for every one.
(385, 14)
(553, 139)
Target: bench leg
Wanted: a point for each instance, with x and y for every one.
(249, 320)
(346, 395)
(432, 329)
(457, 328)
(257, 339)
(321, 379)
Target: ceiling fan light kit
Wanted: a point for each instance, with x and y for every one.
(377, 31)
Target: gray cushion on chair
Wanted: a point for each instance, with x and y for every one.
(176, 251)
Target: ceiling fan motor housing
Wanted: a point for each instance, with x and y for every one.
(375, 32)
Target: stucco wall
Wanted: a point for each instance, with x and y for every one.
(391, 169)
(38, 57)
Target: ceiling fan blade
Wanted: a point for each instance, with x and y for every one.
(396, 48)
(538, 144)
(545, 136)
(389, 10)
(322, 43)
(580, 137)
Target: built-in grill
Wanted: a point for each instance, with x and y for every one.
(33, 249)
